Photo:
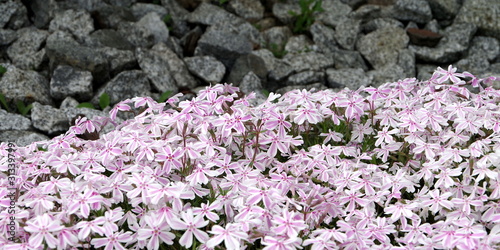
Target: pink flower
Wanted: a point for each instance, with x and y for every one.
(399, 209)
(170, 158)
(441, 75)
(438, 201)
(42, 229)
(190, 224)
(385, 135)
(92, 225)
(206, 210)
(289, 224)
(231, 235)
(112, 241)
(157, 231)
(307, 113)
(281, 243)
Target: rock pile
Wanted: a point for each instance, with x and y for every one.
(60, 53)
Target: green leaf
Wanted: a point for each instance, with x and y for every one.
(22, 108)
(2, 70)
(165, 96)
(104, 101)
(265, 92)
(86, 105)
(4, 102)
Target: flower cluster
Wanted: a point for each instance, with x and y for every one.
(410, 164)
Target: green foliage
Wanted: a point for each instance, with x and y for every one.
(167, 19)
(86, 105)
(277, 50)
(4, 102)
(2, 70)
(22, 108)
(221, 2)
(104, 101)
(165, 95)
(265, 92)
(306, 17)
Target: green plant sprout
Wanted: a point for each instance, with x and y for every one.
(165, 95)
(278, 51)
(2, 70)
(167, 19)
(22, 108)
(104, 101)
(306, 16)
(4, 102)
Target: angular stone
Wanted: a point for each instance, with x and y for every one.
(243, 65)
(486, 46)
(242, 28)
(12, 121)
(276, 38)
(306, 77)
(281, 70)
(267, 57)
(348, 59)
(85, 58)
(388, 73)
(334, 12)
(485, 14)
(309, 61)
(79, 23)
(27, 51)
(206, 67)
(224, 46)
(282, 11)
(14, 15)
(324, 37)
(347, 77)
(110, 38)
(22, 138)
(382, 46)
(119, 60)
(111, 17)
(455, 42)
(164, 68)
(68, 81)
(127, 84)
(139, 10)
(178, 24)
(347, 33)
(248, 9)
(379, 23)
(209, 14)
(251, 83)
(298, 44)
(48, 119)
(367, 12)
(24, 85)
(475, 63)
(444, 9)
(43, 11)
(7, 37)
(417, 11)
(145, 33)
(406, 60)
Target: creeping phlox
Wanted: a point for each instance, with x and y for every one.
(409, 164)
